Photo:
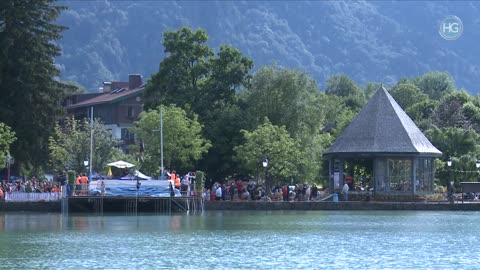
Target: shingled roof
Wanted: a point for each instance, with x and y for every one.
(110, 97)
(382, 128)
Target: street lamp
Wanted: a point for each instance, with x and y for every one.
(267, 184)
(85, 163)
(265, 163)
(10, 161)
(449, 185)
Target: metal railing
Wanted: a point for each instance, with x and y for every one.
(33, 196)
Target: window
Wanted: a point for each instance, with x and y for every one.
(126, 135)
(399, 173)
(131, 112)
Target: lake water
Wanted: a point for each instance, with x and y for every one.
(242, 240)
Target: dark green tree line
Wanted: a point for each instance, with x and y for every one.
(31, 95)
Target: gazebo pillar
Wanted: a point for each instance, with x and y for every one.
(414, 176)
(335, 171)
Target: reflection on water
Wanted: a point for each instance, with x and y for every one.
(241, 240)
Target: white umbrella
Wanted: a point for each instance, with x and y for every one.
(121, 164)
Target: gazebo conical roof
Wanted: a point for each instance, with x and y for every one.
(382, 128)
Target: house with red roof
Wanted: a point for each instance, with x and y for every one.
(117, 106)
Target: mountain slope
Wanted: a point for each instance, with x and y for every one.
(370, 41)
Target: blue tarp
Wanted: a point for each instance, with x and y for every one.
(126, 188)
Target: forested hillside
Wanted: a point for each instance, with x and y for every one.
(369, 41)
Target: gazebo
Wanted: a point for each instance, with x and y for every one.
(402, 158)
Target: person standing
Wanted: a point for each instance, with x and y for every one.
(232, 191)
(224, 192)
(170, 187)
(218, 193)
(345, 190)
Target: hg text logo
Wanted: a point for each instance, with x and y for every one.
(451, 28)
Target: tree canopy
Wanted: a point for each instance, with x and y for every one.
(69, 147)
(31, 95)
(182, 139)
(7, 137)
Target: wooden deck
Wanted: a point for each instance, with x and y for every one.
(131, 205)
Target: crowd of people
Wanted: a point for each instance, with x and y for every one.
(185, 183)
(233, 190)
(32, 185)
(237, 191)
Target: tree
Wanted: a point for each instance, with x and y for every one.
(407, 94)
(283, 96)
(435, 84)
(371, 88)
(422, 113)
(182, 73)
(450, 111)
(31, 96)
(275, 144)
(459, 145)
(454, 142)
(191, 77)
(69, 146)
(7, 137)
(224, 132)
(342, 85)
(182, 139)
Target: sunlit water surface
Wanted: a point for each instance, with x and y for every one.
(242, 240)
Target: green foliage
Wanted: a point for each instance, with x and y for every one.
(273, 142)
(435, 84)
(191, 77)
(7, 137)
(224, 131)
(450, 112)
(371, 88)
(182, 139)
(454, 142)
(407, 94)
(183, 72)
(286, 97)
(200, 178)
(31, 95)
(71, 177)
(422, 113)
(70, 146)
(342, 85)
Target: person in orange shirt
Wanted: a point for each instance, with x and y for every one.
(173, 175)
(78, 184)
(177, 182)
(84, 183)
(55, 188)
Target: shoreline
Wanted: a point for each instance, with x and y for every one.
(342, 206)
(56, 207)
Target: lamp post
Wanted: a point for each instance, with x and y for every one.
(9, 163)
(267, 184)
(450, 183)
(478, 165)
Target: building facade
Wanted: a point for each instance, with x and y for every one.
(117, 106)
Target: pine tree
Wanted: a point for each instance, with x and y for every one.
(30, 93)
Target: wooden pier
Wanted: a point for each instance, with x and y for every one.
(131, 205)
